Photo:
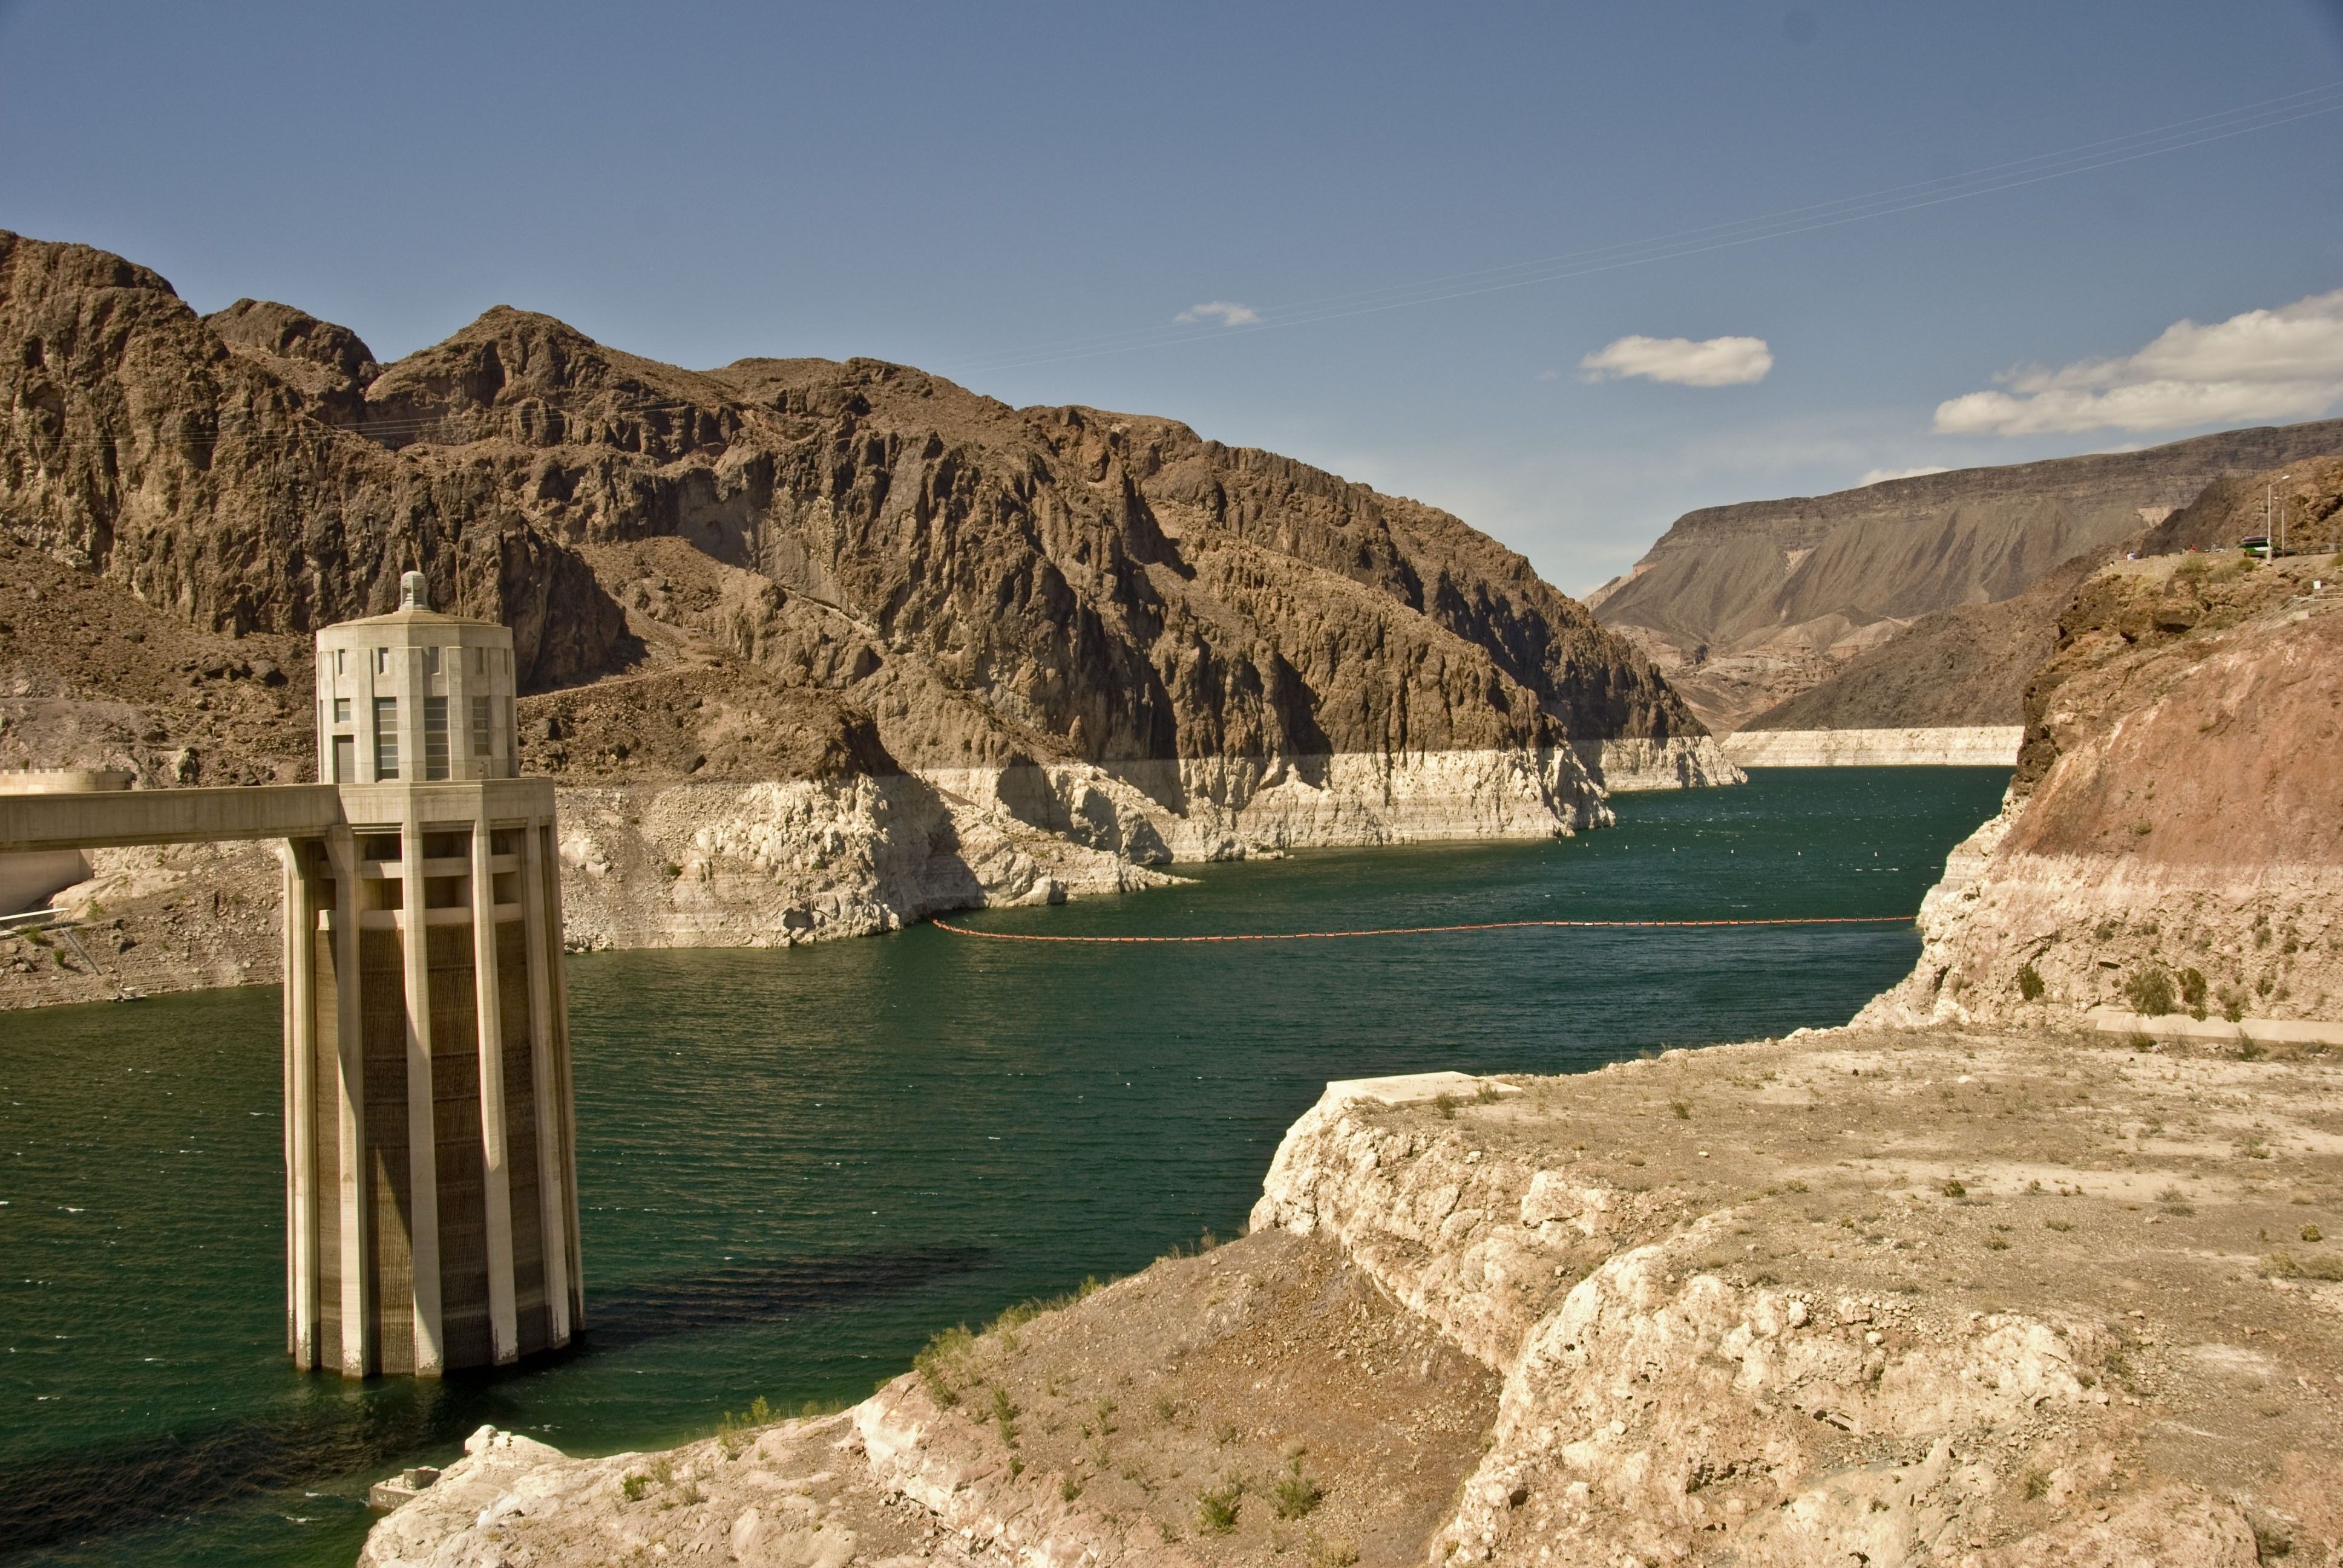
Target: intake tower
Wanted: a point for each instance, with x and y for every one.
(432, 1201)
(430, 1155)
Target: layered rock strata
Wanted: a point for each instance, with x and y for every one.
(2171, 844)
(1902, 1297)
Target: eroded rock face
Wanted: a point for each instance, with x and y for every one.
(2171, 844)
(1722, 1339)
(142, 445)
(1099, 587)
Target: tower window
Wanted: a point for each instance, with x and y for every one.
(341, 710)
(435, 738)
(386, 737)
(481, 728)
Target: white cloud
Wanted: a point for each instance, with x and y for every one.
(1227, 312)
(2282, 363)
(1715, 362)
(1549, 375)
(1881, 475)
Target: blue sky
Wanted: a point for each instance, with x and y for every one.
(985, 190)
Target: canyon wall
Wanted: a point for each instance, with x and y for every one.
(2171, 844)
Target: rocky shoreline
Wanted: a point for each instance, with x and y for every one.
(779, 863)
(1920, 1297)
(1973, 746)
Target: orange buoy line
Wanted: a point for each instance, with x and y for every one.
(1434, 930)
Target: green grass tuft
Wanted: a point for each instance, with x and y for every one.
(1216, 1507)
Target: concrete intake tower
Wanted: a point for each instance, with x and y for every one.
(430, 1201)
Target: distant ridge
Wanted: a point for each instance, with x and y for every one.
(1743, 607)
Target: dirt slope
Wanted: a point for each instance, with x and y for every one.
(1965, 666)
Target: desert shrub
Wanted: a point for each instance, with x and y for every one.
(1332, 1554)
(1004, 1415)
(1683, 1110)
(944, 1359)
(2150, 990)
(1447, 1104)
(1295, 1493)
(1952, 1189)
(2029, 983)
(1216, 1507)
(733, 1431)
(2192, 992)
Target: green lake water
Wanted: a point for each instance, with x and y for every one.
(796, 1165)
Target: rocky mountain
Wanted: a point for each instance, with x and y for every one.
(1743, 607)
(1095, 636)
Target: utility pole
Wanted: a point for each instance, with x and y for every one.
(2269, 534)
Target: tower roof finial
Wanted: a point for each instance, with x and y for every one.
(414, 591)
